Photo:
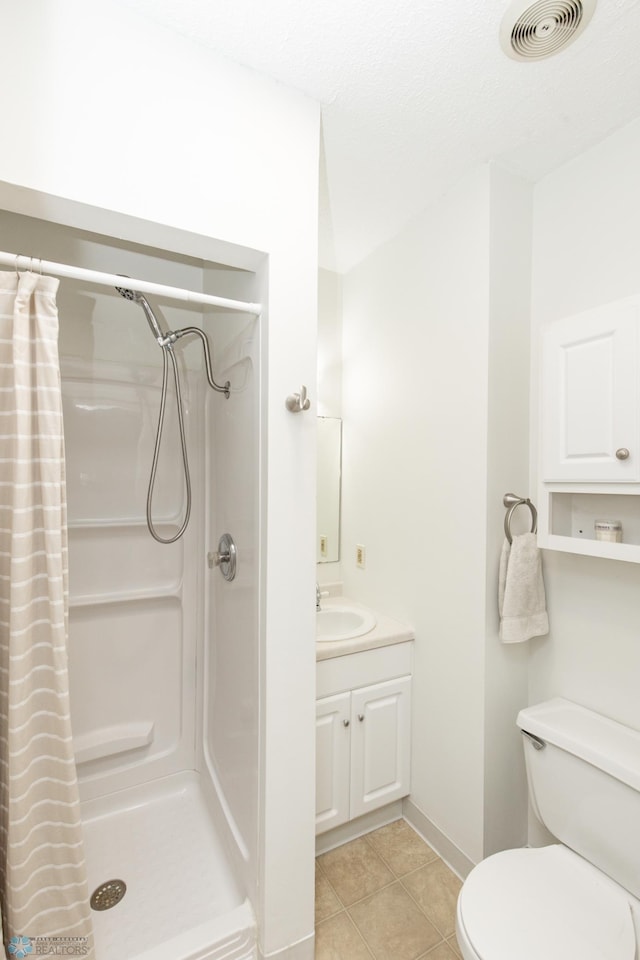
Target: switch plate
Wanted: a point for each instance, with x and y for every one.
(323, 545)
(360, 556)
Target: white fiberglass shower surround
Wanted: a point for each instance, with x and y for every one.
(163, 651)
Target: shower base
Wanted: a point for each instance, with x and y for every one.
(182, 901)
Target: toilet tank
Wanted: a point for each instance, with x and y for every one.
(584, 784)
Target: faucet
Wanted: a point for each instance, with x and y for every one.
(317, 597)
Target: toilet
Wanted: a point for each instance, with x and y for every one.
(577, 899)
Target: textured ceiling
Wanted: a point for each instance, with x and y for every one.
(416, 93)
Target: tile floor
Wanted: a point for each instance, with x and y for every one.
(386, 896)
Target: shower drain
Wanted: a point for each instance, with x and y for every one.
(108, 894)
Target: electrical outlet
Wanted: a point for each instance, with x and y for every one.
(360, 556)
(323, 545)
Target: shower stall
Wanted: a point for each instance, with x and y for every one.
(164, 656)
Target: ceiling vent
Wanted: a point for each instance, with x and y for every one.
(533, 31)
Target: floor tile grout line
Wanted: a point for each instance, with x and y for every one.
(373, 893)
(360, 934)
(454, 951)
(439, 944)
(409, 873)
(330, 916)
(341, 905)
(353, 924)
(386, 887)
(425, 956)
(396, 879)
(340, 900)
(387, 864)
(446, 938)
(425, 914)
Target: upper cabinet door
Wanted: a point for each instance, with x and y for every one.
(590, 423)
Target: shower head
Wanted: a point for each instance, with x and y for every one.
(154, 326)
(128, 294)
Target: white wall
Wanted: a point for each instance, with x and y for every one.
(414, 480)
(436, 397)
(506, 665)
(585, 253)
(329, 344)
(435, 334)
(146, 135)
(329, 403)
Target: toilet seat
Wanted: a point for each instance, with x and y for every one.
(544, 904)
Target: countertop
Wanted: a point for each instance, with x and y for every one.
(386, 632)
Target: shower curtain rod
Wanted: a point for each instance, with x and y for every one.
(35, 264)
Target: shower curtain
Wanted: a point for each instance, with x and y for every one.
(43, 885)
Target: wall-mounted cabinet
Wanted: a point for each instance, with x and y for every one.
(590, 431)
(363, 733)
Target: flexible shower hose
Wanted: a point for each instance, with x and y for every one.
(167, 348)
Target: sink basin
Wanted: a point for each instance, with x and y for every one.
(342, 621)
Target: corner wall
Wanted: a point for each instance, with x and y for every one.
(415, 437)
(329, 402)
(435, 397)
(506, 665)
(329, 344)
(585, 253)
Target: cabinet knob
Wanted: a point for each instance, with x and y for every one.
(361, 717)
(622, 453)
(346, 723)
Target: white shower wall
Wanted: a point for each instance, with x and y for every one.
(134, 618)
(163, 652)
(228, 737)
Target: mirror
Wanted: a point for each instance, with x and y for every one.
(329, 473)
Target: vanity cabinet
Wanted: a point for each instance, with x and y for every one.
(333, 761)
(363, 739)
(590, 431)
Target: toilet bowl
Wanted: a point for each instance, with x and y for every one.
(578, 899)
(543, 904)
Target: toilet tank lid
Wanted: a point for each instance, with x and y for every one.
(605, 743)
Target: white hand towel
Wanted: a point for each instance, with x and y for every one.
(521, 598)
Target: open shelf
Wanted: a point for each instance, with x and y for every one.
(567, 518)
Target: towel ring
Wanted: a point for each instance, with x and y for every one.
(512, 502)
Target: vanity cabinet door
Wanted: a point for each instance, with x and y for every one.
(589, 396)
(333, 740)
(380, 744)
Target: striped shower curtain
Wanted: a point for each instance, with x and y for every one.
(43, 886)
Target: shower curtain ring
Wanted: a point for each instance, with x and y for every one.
(17, 264)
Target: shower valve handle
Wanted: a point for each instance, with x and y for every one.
(215, 558)
(224, 557)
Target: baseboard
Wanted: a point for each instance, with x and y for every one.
(302, 950)
(358, 827)
(443, 846)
